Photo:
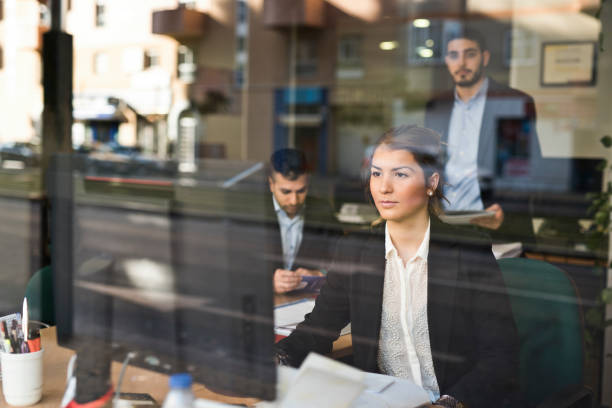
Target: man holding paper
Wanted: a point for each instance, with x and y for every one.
(304, 251)
(470, 120)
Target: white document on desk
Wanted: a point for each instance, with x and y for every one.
(391, 392)
(323, 382)
(377, 390)
(289, 315)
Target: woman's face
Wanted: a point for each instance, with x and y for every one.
(397, 184)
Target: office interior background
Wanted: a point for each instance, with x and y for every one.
(172, 99)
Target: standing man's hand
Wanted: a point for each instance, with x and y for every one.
(285, 280)
(491, 221)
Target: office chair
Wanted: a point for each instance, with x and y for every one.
(39, 292)
(548, 316)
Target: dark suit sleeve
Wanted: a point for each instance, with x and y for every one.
(322, 326)
(493, 376)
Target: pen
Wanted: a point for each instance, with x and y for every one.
(34, 340)
(6, 343)
(15, 341)
(24, 319)
(7, 335)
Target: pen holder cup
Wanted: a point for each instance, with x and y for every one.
(22, 377)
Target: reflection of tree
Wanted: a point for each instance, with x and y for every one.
(601, 34)
(600, 208)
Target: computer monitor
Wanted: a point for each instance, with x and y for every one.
(173, 268)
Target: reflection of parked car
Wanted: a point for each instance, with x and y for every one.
(117, 160)
(18, 155)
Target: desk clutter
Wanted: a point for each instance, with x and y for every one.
(16, 336)
(22, 359)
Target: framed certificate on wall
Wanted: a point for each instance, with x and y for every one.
(568, 63)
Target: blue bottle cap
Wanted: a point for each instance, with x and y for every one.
(182, 380)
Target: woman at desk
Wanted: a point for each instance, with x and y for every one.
(424, 304)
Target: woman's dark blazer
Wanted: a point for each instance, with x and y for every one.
(472, 333)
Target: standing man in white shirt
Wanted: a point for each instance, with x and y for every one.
(288, 181)
(469, 122)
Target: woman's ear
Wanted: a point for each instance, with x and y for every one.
(433, 181)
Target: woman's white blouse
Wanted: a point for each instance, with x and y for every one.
(404, 350)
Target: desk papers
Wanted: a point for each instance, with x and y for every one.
(386, 391)
(463, 217)
(322, 382)
(287, 316)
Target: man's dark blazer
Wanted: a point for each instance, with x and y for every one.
(472, 333)
(502, 102)
(318, 236)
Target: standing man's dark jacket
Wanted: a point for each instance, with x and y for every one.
(472, 333)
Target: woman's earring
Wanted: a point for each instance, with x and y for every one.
(429, 193)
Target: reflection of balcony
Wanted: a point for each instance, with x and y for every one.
(283, 13)
(213, 90)
(179, 23)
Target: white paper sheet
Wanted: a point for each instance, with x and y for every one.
(323, 382)
(378, 390)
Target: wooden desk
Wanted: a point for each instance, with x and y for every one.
(136, 379)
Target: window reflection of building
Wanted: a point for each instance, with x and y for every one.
(187, 3)
(187, 139)
(307, 55)
(426, 39)
(242, 33)
(132, 60)
(101, 63)
(151, 58)
(186, 68)
(520, 47)
(305, 111)
(44, 15)
(100, 13)
(350, 58)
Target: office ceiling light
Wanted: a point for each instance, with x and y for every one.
(388, 45)
(429, 42)
(421, 23)
(425, 52)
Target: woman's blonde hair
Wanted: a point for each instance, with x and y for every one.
(426, 147)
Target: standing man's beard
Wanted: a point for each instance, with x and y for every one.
(470, 82)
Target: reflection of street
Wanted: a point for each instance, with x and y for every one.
(19, 232)
(208, 297)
